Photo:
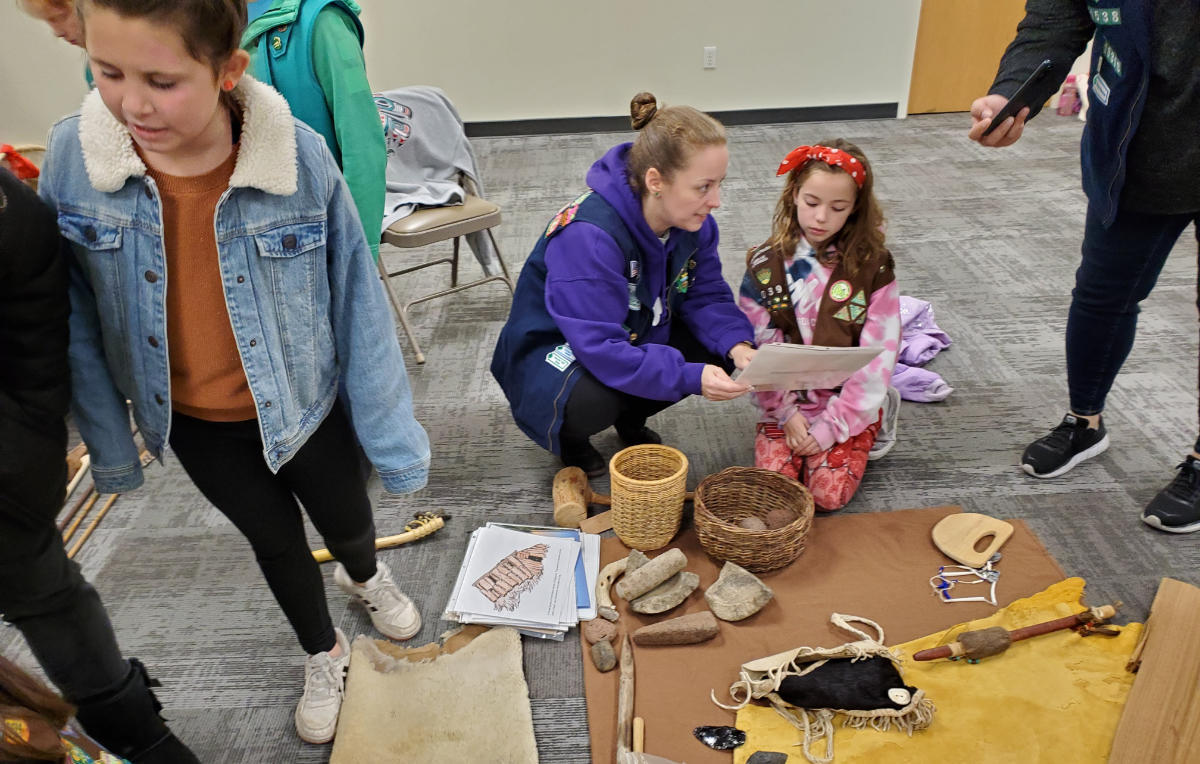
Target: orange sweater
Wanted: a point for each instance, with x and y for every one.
(207, 378)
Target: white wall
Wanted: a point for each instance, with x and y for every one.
(530, 59)
(41, 78)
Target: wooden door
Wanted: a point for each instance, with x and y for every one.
(959, 45)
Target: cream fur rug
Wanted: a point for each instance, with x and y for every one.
(464, 700)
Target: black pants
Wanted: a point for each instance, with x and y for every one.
(1120, 267)
(593, 406)
(42, 593)
(225, 461)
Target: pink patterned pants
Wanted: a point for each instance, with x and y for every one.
(831, 476)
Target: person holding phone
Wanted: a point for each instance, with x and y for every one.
(1140, 157)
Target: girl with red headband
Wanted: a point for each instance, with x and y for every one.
(824, 277)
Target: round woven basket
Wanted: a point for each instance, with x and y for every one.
(648, 486)
(733, 494)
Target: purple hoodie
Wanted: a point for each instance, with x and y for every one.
(587, 293)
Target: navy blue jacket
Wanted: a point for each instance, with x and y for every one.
(588, 298)
(1059, 30)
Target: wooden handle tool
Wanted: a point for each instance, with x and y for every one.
(421, 526)
(983, 643)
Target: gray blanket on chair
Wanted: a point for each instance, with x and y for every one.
(429, 157)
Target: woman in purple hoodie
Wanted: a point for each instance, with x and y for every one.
(621, 309)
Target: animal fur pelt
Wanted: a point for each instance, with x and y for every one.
(437, 703)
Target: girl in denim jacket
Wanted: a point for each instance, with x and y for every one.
(179, 170)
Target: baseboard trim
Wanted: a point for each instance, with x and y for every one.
(561, 125)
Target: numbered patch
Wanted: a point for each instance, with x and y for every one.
(1110, 56)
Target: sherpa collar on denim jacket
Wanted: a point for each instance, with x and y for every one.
(266, 155)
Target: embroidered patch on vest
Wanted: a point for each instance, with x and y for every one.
(561, 357)
(566, 214)
(763, 275)
(77, 755)
(682, 281)
(855, 311)
(634, 269)
(1110, 56)
(1106, 17)
(840, 291)
(16, 730)
(1100, 89)
(634, 302)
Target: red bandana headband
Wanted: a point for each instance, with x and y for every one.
(832, 157)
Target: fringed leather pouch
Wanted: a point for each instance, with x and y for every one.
(809, 686)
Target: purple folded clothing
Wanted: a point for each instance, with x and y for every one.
(919, 385)
(921, 338)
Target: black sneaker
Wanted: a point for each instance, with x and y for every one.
(1176, 508)
(1067, 445)
(584, 456)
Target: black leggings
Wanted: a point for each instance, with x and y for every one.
(593, 406)
(225, 461)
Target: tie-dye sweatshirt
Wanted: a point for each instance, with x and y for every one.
(833, 416)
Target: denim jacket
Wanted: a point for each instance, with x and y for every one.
(308, 311)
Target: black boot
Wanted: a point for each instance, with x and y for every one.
(636, 433)
(583, 454)
(126, 722)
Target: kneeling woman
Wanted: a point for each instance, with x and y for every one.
(621, 309)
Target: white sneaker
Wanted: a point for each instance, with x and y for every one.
(392, 613)
(324, 686)
(890, 420)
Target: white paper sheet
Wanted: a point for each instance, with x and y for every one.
(783, 366)
(485, 593)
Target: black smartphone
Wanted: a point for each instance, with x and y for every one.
(1020, 99)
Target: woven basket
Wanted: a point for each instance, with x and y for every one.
(648, 486)
(733, 494)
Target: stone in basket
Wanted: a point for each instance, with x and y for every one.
(726, 499)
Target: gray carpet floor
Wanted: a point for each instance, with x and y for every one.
(990, 237)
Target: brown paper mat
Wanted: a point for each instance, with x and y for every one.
(874, 565)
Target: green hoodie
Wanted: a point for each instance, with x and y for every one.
(325, 83)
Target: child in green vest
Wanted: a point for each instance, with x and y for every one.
(311, 52)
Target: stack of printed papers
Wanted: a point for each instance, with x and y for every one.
(537, 580)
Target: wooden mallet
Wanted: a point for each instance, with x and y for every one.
(572, 495)
(984, 643)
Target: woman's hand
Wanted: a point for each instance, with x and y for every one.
(741, 354)
(795, 430)
(716, 385)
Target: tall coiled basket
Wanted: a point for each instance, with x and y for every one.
(648, 486)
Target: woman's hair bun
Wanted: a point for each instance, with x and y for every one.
(642, 109)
